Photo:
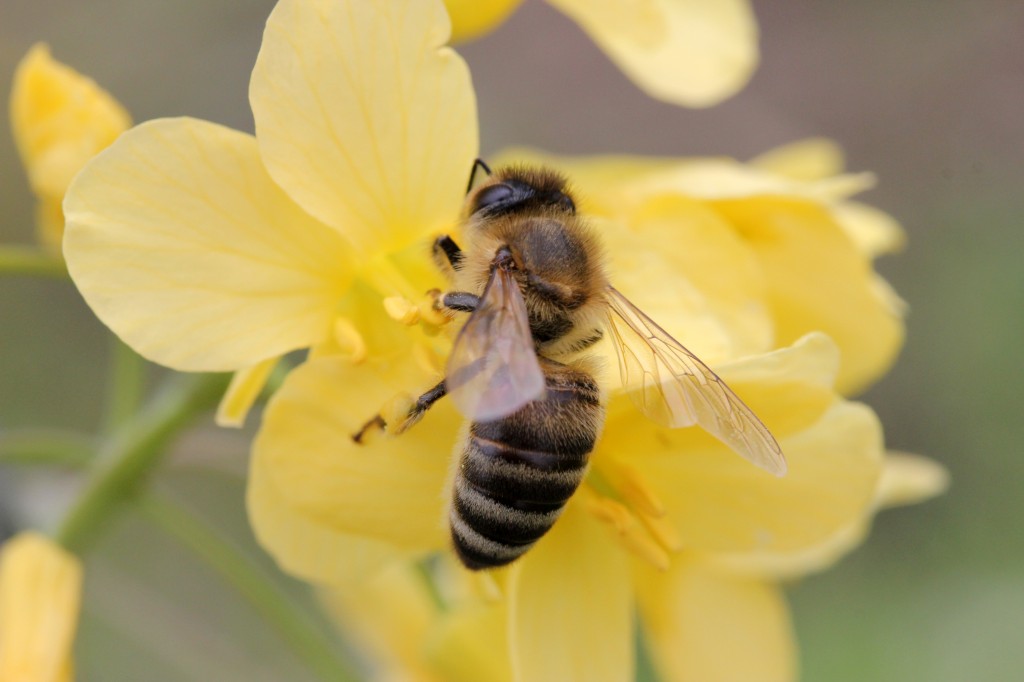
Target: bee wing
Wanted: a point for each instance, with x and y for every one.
(674, 388)
(493, 368)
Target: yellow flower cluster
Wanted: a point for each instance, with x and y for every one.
(207, 249)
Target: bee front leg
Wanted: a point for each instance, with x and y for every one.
(447, 255)
(461, 301)
(400, 415)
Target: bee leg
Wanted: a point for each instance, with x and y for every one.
(462, 301)
(447, 254)
(376, 421)
(420, 407)
(403, 414)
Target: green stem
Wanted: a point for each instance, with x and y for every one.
(426, 574)
(23, 260)
(46, 446)
(127, 378)
(132, 452)
(276, 606)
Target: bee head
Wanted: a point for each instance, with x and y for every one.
(520, 190)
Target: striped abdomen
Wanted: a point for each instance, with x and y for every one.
(517, 473)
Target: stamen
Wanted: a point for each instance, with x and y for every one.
(635, 489)
(349, 340)
(401, 310)
(630, 532)
(243, 391)
(663, 531)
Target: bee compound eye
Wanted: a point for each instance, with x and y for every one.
(492, 196)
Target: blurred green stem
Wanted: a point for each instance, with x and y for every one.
(132, 451)
(127, 376)
(276, 606)
(426, 574)
(46, 446)
(24, 260)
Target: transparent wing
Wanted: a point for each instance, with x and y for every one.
(672, 387)
(493, 368)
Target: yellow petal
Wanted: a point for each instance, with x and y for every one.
(571, 605)
(788, 389)
(906, 479)
(810, 159)
(688, 52)
(363, 116)
(720, 502)
(874, 232)
(243, 391)
(475, 18)
(390, 488)
(40, 595)
(390, 616)
(910, 479)
(717, 317)
(817, 280)
(60, 119)
(729, 179)
(306, 548)
(704, 624)
(181, 244)
(470, 644)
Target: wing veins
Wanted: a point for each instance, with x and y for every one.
(676, 389)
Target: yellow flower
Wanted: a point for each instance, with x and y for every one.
(206, 249)
(775, 247)
(40, 592)
(60, 119)
(685, 52)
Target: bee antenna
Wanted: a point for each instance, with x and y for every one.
(477, 165)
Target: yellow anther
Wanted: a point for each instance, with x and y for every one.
(646, 548)
(638, 492)
(663, 531)
(609, 511)
(349, 340)
(430, 310)
(630, 532)
(401, 310)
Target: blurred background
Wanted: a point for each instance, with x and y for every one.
(928, 95)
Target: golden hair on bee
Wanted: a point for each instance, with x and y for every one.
(559, 261)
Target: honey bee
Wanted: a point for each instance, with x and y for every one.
(533, 281)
